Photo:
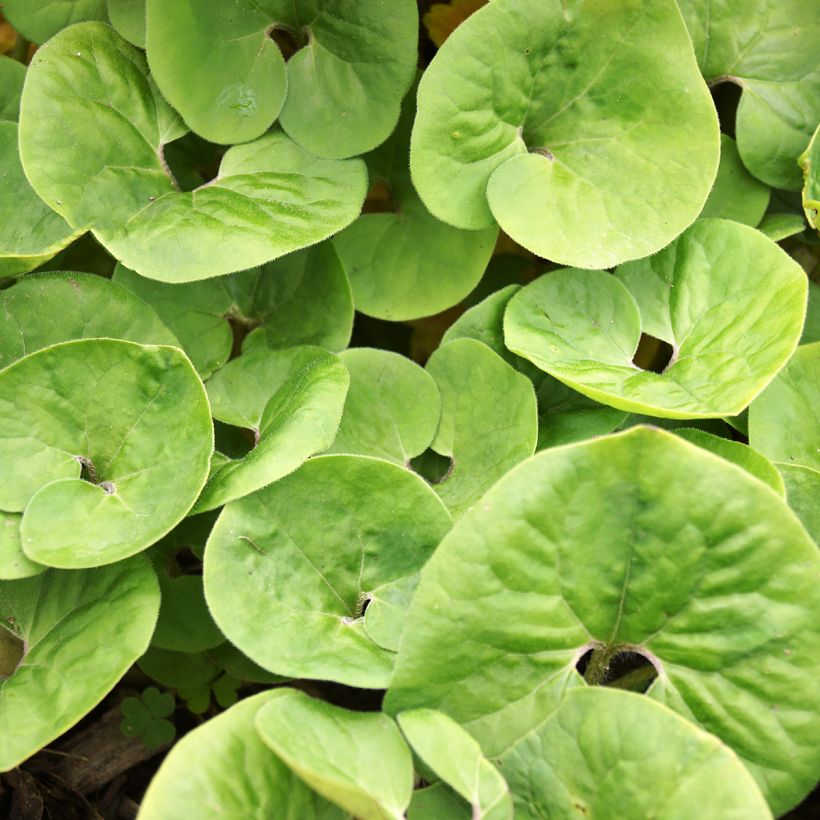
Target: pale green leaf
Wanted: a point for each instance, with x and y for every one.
(810, 163)
(13, 561)
(40, 20)
(128, 18)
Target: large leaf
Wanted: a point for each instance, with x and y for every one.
(289, 570)
(457, 759)
(40, 20)
(103, 170)
(606, 753)
(44, 309)
(392, 409)
(303, 298)
(783, 418)
(727, 299)
(356, 759)
(769, 49)
(80, 632)
(405, 263)
(339, 94)
(474, 382)
(223, 769)
(290, 401)
(638, 544)
(542, 115)
(132, 420)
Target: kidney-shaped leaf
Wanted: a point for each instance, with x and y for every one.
(583, 128)
(103, 170)
(635, 543)
(223, 769)
(457, 759)
(289, 570)
(768, 48)
(727, 299)
(303, 298)
(608, 753)
(77, 632)
(392, 409)
(290, 401)
(48, 308)
(405, 263)
(359, 760)
(338, 95)
(110, 442)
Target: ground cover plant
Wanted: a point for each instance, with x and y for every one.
(409, 409)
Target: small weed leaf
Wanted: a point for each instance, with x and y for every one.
(144, 717)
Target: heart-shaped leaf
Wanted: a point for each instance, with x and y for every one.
(405, 263)
(200, 777)
(541, 115)
(736, 194)
(728, 301)
(392, 409)
(111, 443)
(270, 197)
(810, 163)
(40, 20)
(473, 381)
(359, 760)
(302, 299)
(290, 400)
(290, 589)
(220, 66)
(457, 759)
(768, 48)
(606, 753)
(45, 309)
(638, 546)
(78, 632)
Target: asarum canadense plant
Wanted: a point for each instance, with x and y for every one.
(412, 421)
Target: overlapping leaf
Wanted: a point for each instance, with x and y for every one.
(39, 20)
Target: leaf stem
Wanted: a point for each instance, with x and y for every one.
(595, 674)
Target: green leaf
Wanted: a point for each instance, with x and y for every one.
(291, 401)
(741, 454)
(474, 382)
(728, 301)
(736, 194)
(457, 759)
(779, 226)
(783, 419)
(12, 76)
(339, 94)
(392, 409)
(541, 116)
(356, 759)
(768, 48)
(802, 492)
(303, 298)
(81, 632)
(637, 543)
(110, 443)
(289, 588)
(47, 308)
(437, 802)
(128, 18)
(143, 717)
(13, 561)
(179, 670)
(222, 769)
(387, 606)
(40, 20)
(811, 329)
(405, 263)
(810, 163)
(607, 753)
(106, 174)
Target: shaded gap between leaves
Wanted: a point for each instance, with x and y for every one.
(652, 354)
(625, 669)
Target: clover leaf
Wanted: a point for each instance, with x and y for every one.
(727, 299)
(269, 198)
(78, 632)
(144, 717)
(359, 760)
(541, 115)
(337, 96)
(588, 758)
(634, 546)
(110, 442)
(291, 593)
(200, 774)
(291, 402)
